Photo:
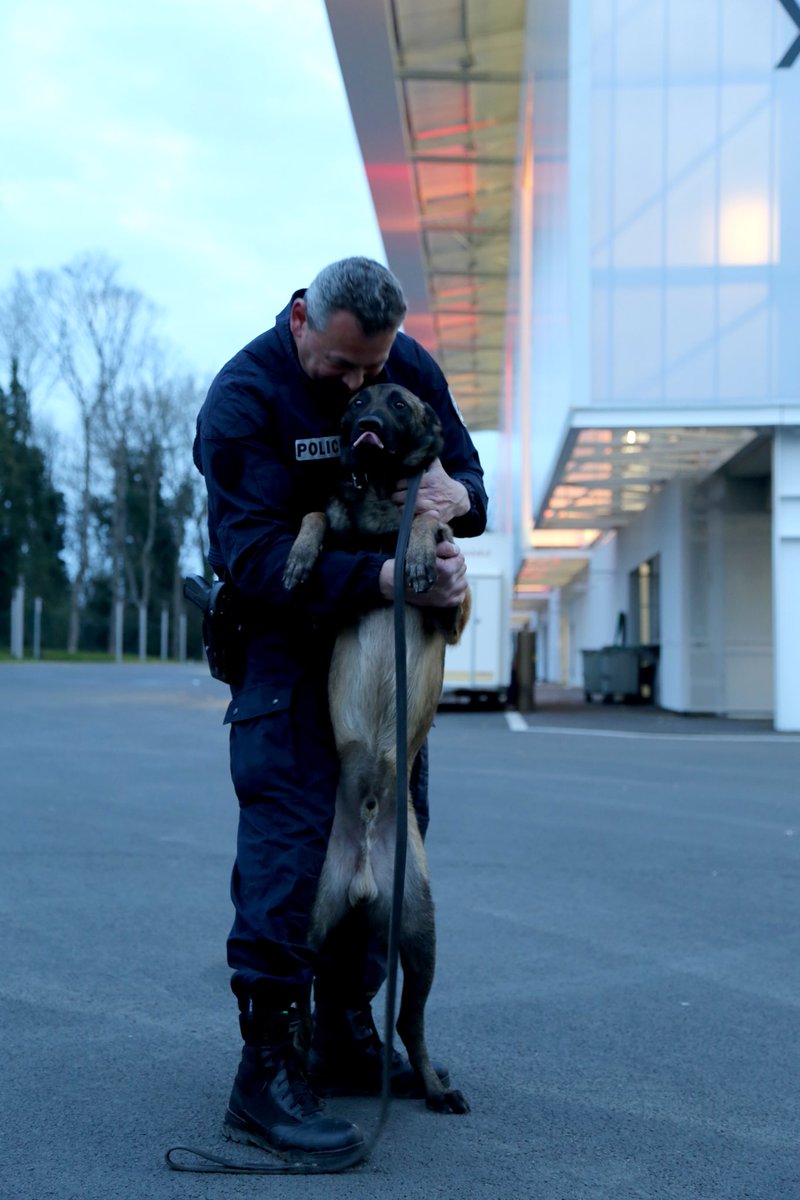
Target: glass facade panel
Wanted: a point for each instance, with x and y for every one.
(693, 38)
(692, 115)
(640, 39)
(744, 193)
(743, 358)
(747, 36)
(689, 334)
(640, 241)
(687, 169)
(601, 213)
(603, 37)
(601, 344)
(692, 218)
(674, 282)
(637, 322)
(637, 152)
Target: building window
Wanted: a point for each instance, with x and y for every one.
(644, 604)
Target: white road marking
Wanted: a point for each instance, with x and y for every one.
(517, 724)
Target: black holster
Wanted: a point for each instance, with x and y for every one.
(224, 634)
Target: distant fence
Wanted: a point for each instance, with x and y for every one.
(143, 633)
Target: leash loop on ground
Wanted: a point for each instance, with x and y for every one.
(214, 1164)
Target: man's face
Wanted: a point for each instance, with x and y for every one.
(340, 353)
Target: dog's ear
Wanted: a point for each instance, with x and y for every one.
(428, 439)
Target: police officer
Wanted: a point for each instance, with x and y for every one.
(267, 444)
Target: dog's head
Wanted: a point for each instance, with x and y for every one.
(388, 430)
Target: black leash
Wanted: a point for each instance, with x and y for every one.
(213, 1164)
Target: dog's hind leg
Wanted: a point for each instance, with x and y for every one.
(418, 956)
(347, 877)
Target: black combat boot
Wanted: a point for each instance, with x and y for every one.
(346, 1054)
(271, 1104)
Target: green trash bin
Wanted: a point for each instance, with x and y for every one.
(592, 673)
(620, 671)
(625, 673)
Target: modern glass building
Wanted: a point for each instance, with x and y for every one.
(596, 208)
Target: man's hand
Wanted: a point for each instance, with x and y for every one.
(438, 494)
(450, 588)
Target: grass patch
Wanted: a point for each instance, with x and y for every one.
(85, 656)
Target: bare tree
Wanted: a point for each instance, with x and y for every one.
(183, 486)
(159, 423)
(22, 337)
(150, 424)
(78, 331)
(95, 329)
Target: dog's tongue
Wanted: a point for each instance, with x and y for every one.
(368, 439)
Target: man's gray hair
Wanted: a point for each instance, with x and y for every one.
(359, 286)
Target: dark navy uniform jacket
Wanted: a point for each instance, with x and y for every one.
(267, 444)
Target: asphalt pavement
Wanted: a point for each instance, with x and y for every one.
(618, 981)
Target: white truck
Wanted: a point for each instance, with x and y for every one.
(478, 669)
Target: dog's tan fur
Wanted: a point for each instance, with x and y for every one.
(358, 868)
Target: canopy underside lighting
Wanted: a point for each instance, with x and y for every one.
(439, 140)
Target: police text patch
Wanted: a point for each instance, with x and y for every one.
(308, 449)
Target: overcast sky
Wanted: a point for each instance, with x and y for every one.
(207, 147)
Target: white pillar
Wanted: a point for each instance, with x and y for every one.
(18, 620)
(37, 627)
(164, 634)
(601, 609)
(182, 638)
(142, 633)
(786, 576)
(679, 597)
(119, 610)
(554, 637)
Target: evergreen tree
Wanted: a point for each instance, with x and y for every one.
(32, 510)
(150, 547)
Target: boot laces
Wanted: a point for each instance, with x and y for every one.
(306, 1101)
(291, 1084)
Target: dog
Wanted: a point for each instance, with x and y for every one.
(387, 434)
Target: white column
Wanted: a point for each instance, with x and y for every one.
(119, 613)
(679, 597)
(786, 576)
(601, 609)
(18, 620)
(142, 633)
(164, 634)
(182, 637)
(554, 637)
(37, 627)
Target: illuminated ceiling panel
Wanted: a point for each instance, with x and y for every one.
(609, 476)
(541, 573)
(440, 157)
(458, 65)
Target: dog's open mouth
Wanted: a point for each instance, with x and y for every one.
(369, 439)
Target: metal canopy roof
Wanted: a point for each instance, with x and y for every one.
(434, 92)
(608, 476)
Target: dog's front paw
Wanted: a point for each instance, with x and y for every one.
(305, 548)
(449, 1100)
(297, 569)
(420, 572)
